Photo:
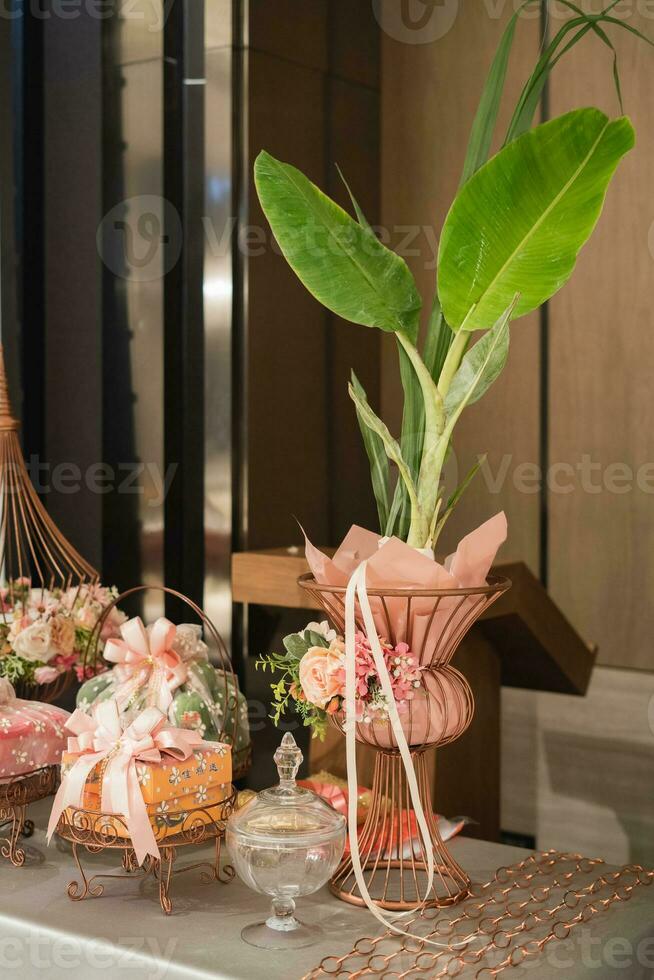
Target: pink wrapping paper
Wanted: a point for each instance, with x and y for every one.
(31, 734)
(392, 564)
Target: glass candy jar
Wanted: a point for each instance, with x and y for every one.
(286, 843)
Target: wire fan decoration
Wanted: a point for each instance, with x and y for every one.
(32, 547)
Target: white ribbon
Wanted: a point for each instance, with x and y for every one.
(357, 584)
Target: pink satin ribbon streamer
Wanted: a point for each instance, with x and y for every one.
(102, 736)
(143, 658)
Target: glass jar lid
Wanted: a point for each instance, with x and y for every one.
(287, 814)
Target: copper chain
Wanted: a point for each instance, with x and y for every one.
(491, 921)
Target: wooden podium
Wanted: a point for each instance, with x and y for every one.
(523, 640)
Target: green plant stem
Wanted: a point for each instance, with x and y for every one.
(452, 361)
(431, 463)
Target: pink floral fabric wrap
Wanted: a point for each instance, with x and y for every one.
(31, 734)
(107, 736)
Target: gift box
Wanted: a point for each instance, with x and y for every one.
(146, 776)
(170, 788)
(168, 666)
(31, 734)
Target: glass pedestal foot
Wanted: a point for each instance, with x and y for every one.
(281, 930)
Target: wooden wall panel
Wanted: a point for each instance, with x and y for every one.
(430, 93)
(287, 328)
(353, 143)
(578, 773)
(601, 367)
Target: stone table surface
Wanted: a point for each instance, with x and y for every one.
(124, 934)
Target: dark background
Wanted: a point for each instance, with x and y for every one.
(234, 385)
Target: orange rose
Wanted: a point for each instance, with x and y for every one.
(319, 670)
(62, 632)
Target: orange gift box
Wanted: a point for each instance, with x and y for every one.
(170, 789)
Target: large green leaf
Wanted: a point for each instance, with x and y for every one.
(518, 224)
(340, 262)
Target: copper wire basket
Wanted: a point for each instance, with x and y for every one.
(241, 758)
(94, 832)
(32, 548)
(432, 623)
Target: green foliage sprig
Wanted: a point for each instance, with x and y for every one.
(287, 690)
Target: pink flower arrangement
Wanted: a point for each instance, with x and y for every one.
(313, 669)
(44, 633)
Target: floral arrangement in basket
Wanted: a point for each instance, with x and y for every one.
(45, 633)
(313, 677)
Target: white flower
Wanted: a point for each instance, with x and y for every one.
(143, 775)
(201, 763)
(201, 794)
(163, 808)
(34, 643)
(175, 776)
(322, 629)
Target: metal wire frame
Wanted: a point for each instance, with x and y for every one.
(392, 852)
(15, 796)
(241, 759)
(31, 545)
(94, 832)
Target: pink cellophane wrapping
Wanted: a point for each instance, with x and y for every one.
(333, 792)
(392, 564)
(31, 734)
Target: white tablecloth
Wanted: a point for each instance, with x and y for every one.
(125, 935)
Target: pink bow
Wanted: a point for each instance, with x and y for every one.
(143, 658)
(103, 736)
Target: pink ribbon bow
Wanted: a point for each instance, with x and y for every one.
(146, 658)
(103, 736)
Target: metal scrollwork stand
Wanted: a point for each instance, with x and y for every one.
(95, 832)
(15, 797)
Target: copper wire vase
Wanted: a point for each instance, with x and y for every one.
(393, 857)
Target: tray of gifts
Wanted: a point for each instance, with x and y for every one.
(144, 788)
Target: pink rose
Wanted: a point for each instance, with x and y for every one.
(45, 675)
(321, 675)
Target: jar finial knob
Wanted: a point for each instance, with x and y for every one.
(288, 758)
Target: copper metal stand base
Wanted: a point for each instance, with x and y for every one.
(95, 832)
(392, 853)
(15, 797)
